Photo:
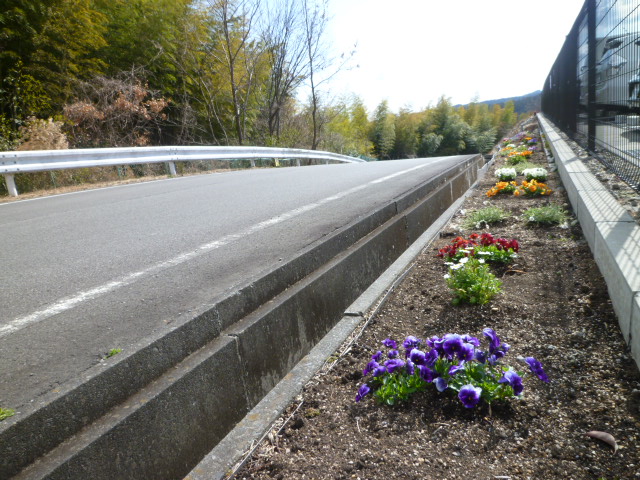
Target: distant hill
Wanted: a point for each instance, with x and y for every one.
(523, 104)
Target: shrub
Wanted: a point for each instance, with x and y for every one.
(39, 134)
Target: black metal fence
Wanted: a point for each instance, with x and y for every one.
(592, 92)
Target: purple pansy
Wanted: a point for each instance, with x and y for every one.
(417, 356)
(371, 366)
(426, 373)
(514, 380)
(470, 395)
(410, 367)
(472, 340)
(362, 392)
(467, 353)
(376, 356)
(494, 340)
(536, 367)
(441, 384)
(410, 343)
(387, 342)
(392, 353)
(393, 364)
(452, 344)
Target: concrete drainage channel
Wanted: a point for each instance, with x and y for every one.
(159, 411)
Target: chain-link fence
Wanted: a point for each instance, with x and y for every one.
(592, 92)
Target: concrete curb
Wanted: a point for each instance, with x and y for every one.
(612, 234)
(296, 305)
(224, 458)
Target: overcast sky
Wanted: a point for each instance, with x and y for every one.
(411, 52)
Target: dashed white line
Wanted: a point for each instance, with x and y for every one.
(72, 301)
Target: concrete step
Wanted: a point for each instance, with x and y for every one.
(156, 412)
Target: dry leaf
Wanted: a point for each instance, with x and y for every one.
(605, 437)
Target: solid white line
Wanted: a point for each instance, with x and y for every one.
(70, 302)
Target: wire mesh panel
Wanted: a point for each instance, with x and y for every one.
(592, 92)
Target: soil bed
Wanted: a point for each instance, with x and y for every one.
(554, 306)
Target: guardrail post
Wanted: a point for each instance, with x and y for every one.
(11, 184)
(253, 163)
(172, 169)
(297, 162)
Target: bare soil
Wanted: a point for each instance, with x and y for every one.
(554, 306)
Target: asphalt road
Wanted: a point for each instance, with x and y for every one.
(87, 272)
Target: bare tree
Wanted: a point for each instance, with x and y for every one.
(321, 67)
(284, 36)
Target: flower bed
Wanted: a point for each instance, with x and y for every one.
(553, 306)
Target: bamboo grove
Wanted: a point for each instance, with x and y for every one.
(103, 73)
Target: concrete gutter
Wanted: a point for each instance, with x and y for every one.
(156, 412)
(613, 235)
(228, 455)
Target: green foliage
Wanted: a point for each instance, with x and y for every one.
(484, 217)
(546, 215)
(8, 135)
(522, 166)
(472, 282)
(398, 387)
(406, 141)
(383, 131)
(113, 351)
(6, 413)
(347, 131)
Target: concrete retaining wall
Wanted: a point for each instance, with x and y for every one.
(612, 234)
(226, 358)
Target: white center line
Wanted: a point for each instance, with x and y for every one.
(72, 301)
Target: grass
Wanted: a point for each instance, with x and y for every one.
(113, 351)
(547, 215)
(484, 217)
(6, 413)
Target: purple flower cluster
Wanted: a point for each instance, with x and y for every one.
(451, 362)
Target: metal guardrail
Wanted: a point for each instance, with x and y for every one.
(46, 160)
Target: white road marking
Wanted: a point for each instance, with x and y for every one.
(72, 301)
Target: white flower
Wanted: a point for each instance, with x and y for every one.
(485, 253)
(481, 260)
(457, 266)
(532, 219)
(464, 260)
(535, 173)
(447, 276)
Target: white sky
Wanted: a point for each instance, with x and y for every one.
(411, 52)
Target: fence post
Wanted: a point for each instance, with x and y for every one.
(172, 169)
(11, 184)
(591, 61)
